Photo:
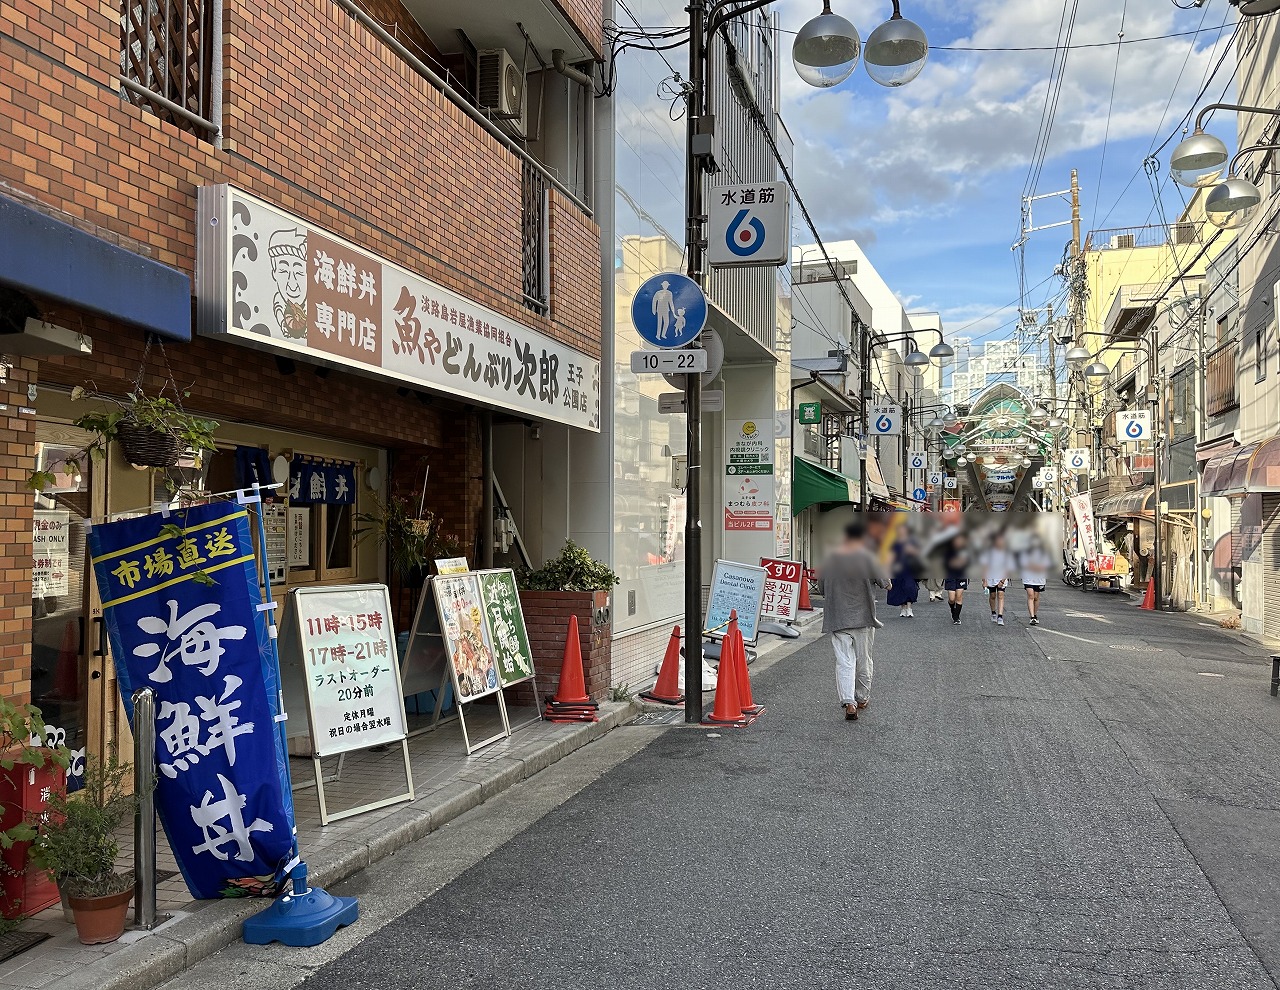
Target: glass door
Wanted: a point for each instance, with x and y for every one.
(62, 633)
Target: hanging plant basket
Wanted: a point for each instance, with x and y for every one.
(146, 447)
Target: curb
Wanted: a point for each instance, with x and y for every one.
(180, 944)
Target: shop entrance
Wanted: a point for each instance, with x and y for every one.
(73, 679)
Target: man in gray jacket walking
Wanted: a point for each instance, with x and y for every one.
(849, 578)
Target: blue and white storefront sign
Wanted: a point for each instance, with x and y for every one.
(1133, 425)
(181, 603)
(669, 310)
(749, 225)
(736, 587)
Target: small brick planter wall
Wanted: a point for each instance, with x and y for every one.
(546, 614)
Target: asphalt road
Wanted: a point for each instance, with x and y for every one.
(1087, 804)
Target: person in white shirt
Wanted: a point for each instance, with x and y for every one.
(1035, 563)
(997, 562)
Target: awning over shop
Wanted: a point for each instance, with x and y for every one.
(813, 484)
(876, 488)
(1134, 503)
(1227, 473)
(52, 260)
(1263, 472)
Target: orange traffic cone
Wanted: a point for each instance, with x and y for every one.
(805, 604)
(667, 690)
(749, 707)
(572, 703)
(728, 705)
(1149, 599)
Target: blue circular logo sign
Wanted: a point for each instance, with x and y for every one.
(1134, 429)
(1077, 461)
(884, 424)
(669, 310)
(744, 237)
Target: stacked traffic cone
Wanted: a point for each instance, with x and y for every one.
(728, 705)
(749, 707)
(667, 690)
(805, 604)
(1149, 599)
(572, 703)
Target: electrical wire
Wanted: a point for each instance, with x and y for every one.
(1111, 102)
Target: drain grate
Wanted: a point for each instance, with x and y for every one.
(658, 718)
(16, 942)
(1130, 648)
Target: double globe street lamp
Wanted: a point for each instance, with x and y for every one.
(1200, 160)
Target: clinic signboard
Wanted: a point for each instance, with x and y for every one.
(271, 280)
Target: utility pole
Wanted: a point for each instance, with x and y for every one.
(695, 245)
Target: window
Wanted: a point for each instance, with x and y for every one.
(1222, 329)
(1260, 352)
(166, 56)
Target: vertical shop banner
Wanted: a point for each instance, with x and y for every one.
(466, 636)
(1082, 509)
(181, 605)
(781, 589)
(749, 481)
(507, 632)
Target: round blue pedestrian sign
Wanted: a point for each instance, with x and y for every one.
(669, 310)
(920, 494)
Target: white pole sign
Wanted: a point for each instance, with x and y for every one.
(1076, 459)
(886, 421)
(1133, 425)
(749, 225)
(917, 460)
(935, 477)
(675, 362)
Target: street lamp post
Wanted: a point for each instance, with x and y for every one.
(825, 52)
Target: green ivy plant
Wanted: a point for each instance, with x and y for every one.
(156, 413)
(76, 842)
(572, 570)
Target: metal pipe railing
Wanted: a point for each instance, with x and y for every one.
(144, 817)
(174, 108)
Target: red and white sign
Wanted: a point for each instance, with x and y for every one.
(1106, 562)
(1082, 509)
(781, 589)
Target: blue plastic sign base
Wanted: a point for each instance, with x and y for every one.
(669, 310)
(301, 918)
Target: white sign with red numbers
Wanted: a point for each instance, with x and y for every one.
(781, 589)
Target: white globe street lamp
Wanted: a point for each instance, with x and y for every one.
(896, 51)
(917, 361)
(942, 352)
(1198, 161)
(1256, 8)
(1097, 371)
(826, 49)
(1078, 354)
(1232, 204)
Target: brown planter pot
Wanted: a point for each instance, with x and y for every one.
(101, 919)
(546, 616)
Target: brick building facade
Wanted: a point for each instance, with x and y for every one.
(320, 117)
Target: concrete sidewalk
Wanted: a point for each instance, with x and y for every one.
(447, 783)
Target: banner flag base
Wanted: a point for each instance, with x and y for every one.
(305, 917)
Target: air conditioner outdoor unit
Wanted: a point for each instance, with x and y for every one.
(501, 90)
(1121, 241)
(1183, 233)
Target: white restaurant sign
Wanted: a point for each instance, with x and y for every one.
(274, 281)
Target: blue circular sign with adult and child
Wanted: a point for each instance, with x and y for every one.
(669, 310)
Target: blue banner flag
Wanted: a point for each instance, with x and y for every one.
(181, 602)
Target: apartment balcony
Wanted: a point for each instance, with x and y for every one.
(1154, 236)
(1220, 380)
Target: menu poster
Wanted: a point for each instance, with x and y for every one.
(507, 630)
(349, 659)
(466, 636)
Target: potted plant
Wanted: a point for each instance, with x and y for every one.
(32, 773)
(152, 431)
(412, 542)
(571, 583)
(77, 846)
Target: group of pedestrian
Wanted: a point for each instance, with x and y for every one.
(853, 574)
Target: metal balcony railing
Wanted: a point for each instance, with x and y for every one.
(1127, 238)
(535, 236)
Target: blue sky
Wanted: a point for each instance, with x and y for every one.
(929, 177)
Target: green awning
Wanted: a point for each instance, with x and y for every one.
(812, 484)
